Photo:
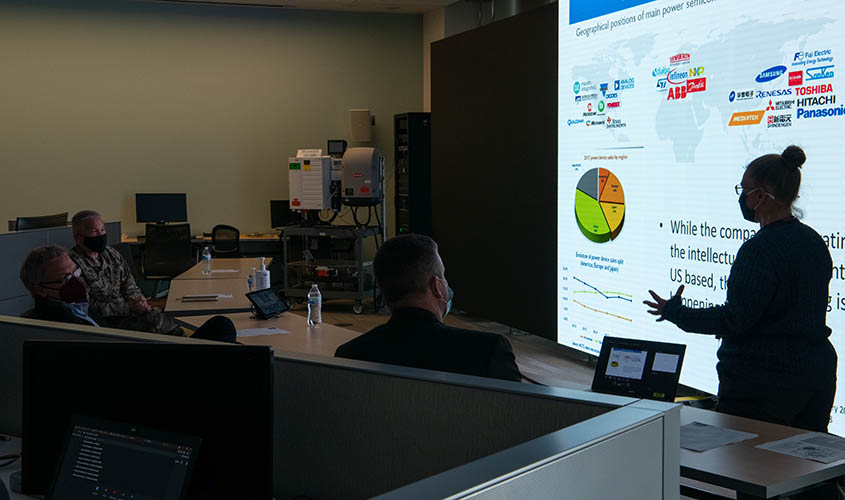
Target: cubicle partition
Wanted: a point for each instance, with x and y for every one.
(351, 430)
(14, 246)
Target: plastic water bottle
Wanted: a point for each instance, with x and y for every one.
(262, 277)
(206, 261)
(250, 280)
(315, 304)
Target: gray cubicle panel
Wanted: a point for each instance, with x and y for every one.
(14, 246)
(351, 430)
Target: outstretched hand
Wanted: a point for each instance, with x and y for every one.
(659, 303)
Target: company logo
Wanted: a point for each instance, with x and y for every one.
(587, 86)
(594, 122)
(779, 121)
(784, 105)
(676, 77)
(823, 100)
(770, 107)
(820, 72)
(614, 123)
(770, 74)
(732, 96)
(796, 78)
(589, 107)
(661, 85)
(577, 98)
(746, 118)
(820, 113)
(574, 122)
(814, 89)
(588, 97)
(676, 93)
(697, 85)
(812, 57)
(660, 71)
(765, 94)
(611, 95)
(741, 95)
(577, 87)
(614, 104)
(625, 84)
(693, 72)
(680, 58)
(603, 88)
(601, 106)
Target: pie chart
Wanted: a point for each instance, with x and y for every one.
(600, 205)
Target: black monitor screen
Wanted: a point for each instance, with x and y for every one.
(202, 390)
(161, 207)
(639, 368)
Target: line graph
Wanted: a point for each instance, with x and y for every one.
(602, 312)
(606, 294)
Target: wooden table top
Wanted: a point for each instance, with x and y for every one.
(199, 238)
(322, 340)
(224, 269)
(237, 288)
(747, 469)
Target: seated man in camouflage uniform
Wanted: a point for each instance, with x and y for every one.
(112, 292)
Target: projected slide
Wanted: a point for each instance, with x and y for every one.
(660, 106)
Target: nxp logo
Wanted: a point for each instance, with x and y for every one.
(770, 74)
(577, 87)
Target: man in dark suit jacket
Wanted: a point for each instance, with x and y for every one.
(412, 280)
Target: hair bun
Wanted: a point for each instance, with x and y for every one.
(793, 157)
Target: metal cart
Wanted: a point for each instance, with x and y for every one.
(333, 258)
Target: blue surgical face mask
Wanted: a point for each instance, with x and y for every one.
(448, 302)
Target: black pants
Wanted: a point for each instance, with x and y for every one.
(806, 409)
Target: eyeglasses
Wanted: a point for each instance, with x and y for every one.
(739, 189)
(75, 274)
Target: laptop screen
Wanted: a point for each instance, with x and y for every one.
(639, 368)
(108, 460)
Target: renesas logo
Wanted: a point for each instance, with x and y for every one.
(574, 122)
(766, 94)
(696, 85)
(746, 118)
(742, 95)
(806, 58)
(796, 78)
(625, 84)
(819, 73)
(660, 71)
(681, 58)
(770, 74)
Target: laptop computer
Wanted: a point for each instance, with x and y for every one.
(639, 368)
(116, 461)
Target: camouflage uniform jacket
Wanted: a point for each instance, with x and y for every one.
(110, 282)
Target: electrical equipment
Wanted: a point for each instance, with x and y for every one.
(412, 136)
(309, 177)
(363, 177)
(336, 147)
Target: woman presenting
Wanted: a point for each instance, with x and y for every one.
(775, 361)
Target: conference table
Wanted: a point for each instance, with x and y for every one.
(225, 269)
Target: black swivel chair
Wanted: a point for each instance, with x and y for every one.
(167, 251)
(40, 222)
(225, 241)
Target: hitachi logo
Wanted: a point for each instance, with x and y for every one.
(817, 101)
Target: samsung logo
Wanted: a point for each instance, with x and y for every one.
(770, 74)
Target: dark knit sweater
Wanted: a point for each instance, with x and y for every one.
(772, 324)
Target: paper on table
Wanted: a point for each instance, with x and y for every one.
(254, 332)
(702, 437)
(818, 446)
(224, 270)
(225, 295)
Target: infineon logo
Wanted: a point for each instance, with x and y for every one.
(796, 78)
(746, 118)
(770, 74)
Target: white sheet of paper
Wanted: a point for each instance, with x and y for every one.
(225, 295)
(664, 362)
(254, 332)
(702, 437)
(818, 446)
(224, 270)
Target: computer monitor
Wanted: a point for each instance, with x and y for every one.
(161, 207)
(281, 214)
(220, 393)
(639, 368)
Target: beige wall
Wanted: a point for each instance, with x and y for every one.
(433, 30)
(100, 100)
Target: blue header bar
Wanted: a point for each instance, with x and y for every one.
(581, 10)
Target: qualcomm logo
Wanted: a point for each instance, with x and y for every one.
(770, 74)
(820, 72)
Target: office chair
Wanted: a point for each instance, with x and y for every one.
(167, 252)
(225, 241)
(40, 222)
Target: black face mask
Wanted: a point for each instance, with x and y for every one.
(96, 243)
(73, 291)
(747, 213)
